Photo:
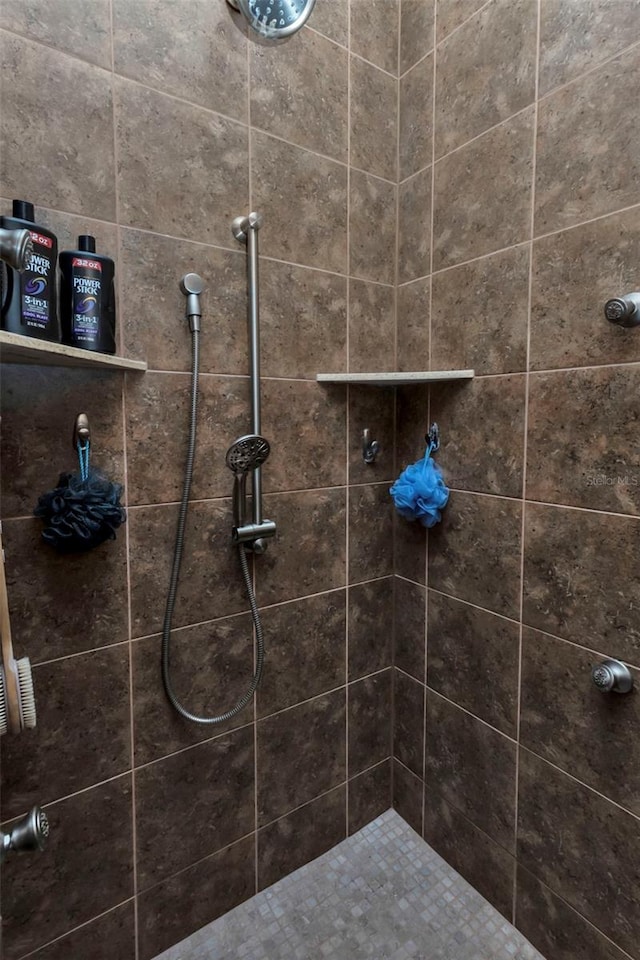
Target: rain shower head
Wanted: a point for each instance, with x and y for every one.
(275, 19)
(247, 453)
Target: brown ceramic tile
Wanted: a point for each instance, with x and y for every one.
(306, 650)
(412, 336)
(207, 66)
(483, 194)
(574, 273)
(101, 939)
(480, 450)
(554, 928)
(169, 912)
(155, 329)
(51, 620)
(303, 321)
(74, 172)
(565, 592)
(416, 118)
(485, 864)
(586, 164)
(370, 532)
(409, 628)
(372, 225)
(410, 547)
(211, 583)
(39, 410)
(473, 660)
(373, 410)
(74, 881)
(408, 733)
(408, 792)
(370, 626)
(474, 554)
(305, 212)
(84, 31)
(369, 795)
(479, 314)
(577, 36)
(473, 767)
(331, 18)
(374, 119)
(416, 31)
(371, 327)
(558, 694)
(308, 554)
(211, 668)
(587, 456)
(209, 151)
(306, 424)
(414, 226)
(211, 784)
(369, 712)
(83, 733)
(486, 72)
(157, 407)
(301, 836)
(374, 32)
(450, 14)
(301, 754)
(299, 91)
(412, 421)
(582, 847)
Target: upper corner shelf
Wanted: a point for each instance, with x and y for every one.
(15, 348)
(396, 379)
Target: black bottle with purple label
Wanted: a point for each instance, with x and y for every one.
(87, 298)
(28, 299)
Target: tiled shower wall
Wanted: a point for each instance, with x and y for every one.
(519, 205)
(151, 124)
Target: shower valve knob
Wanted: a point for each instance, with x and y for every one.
(623, 311)
(612, 676)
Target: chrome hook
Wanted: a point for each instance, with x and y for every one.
(432, 438)
(370, 448)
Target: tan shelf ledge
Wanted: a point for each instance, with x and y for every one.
(17, 349)
(396, 379)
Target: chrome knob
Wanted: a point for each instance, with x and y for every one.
(612, 676)
(16, 248)
(27, 834)
(624, 311)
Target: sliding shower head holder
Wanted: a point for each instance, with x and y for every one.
(245, 455)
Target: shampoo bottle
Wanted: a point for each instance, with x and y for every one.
(28, 299)
(87, 298)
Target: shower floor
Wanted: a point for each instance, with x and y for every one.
(383, 894)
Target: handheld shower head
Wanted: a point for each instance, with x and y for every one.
(16, 247)
(247, 453)
(275, 19)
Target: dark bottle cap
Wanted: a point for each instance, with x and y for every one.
(23, 210)
(87, 243)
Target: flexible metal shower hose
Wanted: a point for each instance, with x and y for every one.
(245, 700)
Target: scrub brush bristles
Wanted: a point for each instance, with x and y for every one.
(4, 723)
(27, 696)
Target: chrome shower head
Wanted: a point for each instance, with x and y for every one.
(247, 453)
(275, 19)
(16, 248)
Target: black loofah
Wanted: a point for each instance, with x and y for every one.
(81, 514)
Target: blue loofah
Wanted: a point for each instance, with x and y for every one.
(419, 493)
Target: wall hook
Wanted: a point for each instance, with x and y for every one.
(370, 448)
(81, 432)
(432, 437)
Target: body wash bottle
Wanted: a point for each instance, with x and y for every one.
(87, 298)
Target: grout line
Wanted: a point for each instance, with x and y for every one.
(348, 413)
(348, 49)
(121, 341)
(80, 926)
(516, 785)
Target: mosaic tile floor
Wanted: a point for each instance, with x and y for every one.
(383, 894)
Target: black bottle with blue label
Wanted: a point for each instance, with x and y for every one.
(87, 298)
(28, 299)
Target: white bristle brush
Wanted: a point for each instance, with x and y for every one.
(17, 698)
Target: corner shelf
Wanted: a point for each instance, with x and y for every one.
(15, 348)
(396, 379)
